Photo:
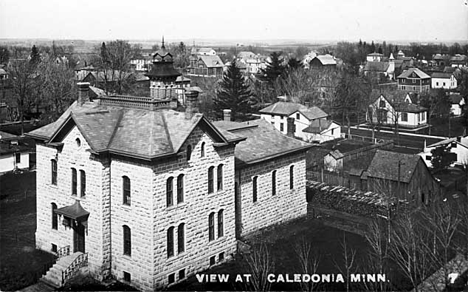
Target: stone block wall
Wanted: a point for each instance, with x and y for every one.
(195, 209)
(270, 209)
(71, 156)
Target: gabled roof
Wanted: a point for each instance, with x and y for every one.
(325, 59)
(463, 141)
(442, 75)
(376, 66)
(211, 61)
(263, 141)
(133, 132)
(318, 126)
(455, 98)
(288, 108)
(397, 101)
(393, 166)
(420, 74)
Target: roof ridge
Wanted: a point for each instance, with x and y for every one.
(115, 128)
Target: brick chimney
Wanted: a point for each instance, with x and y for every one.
(191, 103)
(83, 92)
(290, 127)
(227, 114)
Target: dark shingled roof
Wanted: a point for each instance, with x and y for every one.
(455, 98)
(139, 133)
(288, 108)
(376, 66)
(385, 165)
(263, 141)
(397, 100)
(317, 126)
(441, 75)
(418, 72)
(75, 211)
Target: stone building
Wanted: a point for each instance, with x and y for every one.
(146, 194)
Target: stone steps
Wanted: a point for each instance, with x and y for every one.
(53, 277)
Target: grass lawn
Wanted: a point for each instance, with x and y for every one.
(441, 127)
(20, 263)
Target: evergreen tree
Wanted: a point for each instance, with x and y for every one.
(442, 157)
(35, 57)
(4, 55)
(104, 54)
(294, 64)
(274, 68)
(233, 94)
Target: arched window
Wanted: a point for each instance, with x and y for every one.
(54, 217)
(54, 171)
(189, 152)
(180, 188)
(127, 241)
(220, 223)
(202, 150)
(170, 242)
(273, 183)
(211, 235)
(210, 180)
(220, 177)
(254, 188)
(126, 190)
(181, 238)
(291, 177)
(74, 182)
(82, 183)
(169, 191)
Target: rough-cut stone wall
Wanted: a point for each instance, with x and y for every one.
(60, 194)
(195, 209)
(270, 209)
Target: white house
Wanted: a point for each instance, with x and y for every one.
(13, 153)
(443, 80)
(396, 107)
(303, 117)
(457, 102)
(457, 145)
(320, 131)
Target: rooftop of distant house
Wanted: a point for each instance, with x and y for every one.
(417, 73)
(288, 108)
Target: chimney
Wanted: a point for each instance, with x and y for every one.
(307, 104)
(83, 92)
(227, 114)
(290, 127)
(191, 103)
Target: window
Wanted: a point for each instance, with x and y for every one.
(291, 177)
(404, 117)
(169, 191)
(273, 123)
(220, 223)
(170, 242)
(18, 158)
(382, 103)
(298, 116)
(210, 180)
(202, 150)
(273, 183)
(54, 171)
(220, 177)
(74, 182)
(281, 127)
(428, 157)
(54, 217)
(212, 260)
(127, 241)
(182, 274)
(127, 277)
(221, 257)
(211, 235)
(54, 248)
(332, 130)
(254, 189)
(437, 83)
(414, 80)
(82, 183)
(189, 152)
(126, 190)
(180, 189)
(180, 238)
(171, 278)
(78, 142)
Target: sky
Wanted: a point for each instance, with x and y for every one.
(312, 20)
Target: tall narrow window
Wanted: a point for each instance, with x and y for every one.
(202, 150)
(220, 223)
(180, 188)
(181, 238)
(127, 240)
(169, 191)
(18, 158)
(220, 177)
(211, 235)
(170, 242)
(273, 183)
(210, 180)
(126, 190)
(189, 152)
(54, 171)
(74, 182)
(82, 183)
(254, 189)
(291, 177)
(54, 217)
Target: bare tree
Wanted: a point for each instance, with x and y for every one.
(378, 239)
(259, 264)
(349, 261)
(309, 262)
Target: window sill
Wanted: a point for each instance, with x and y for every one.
(177, 206)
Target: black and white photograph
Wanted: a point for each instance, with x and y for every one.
(305, 145)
